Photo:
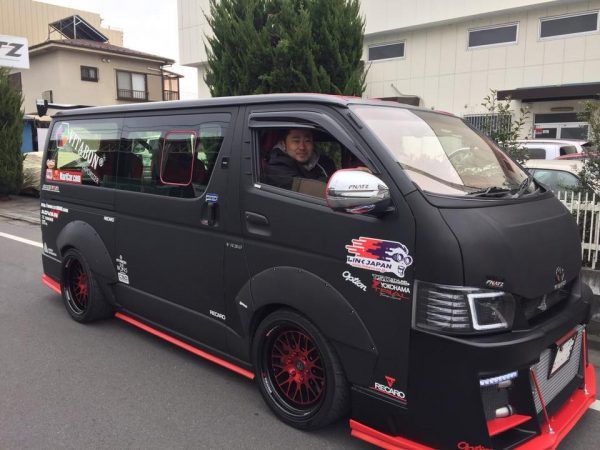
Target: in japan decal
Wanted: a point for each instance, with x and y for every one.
(378, 255)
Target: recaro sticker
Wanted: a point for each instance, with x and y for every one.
(379, 255)
(389, 389)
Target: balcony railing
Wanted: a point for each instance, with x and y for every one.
(170, 95)
(128, 94)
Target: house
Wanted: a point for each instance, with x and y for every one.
(74, 60)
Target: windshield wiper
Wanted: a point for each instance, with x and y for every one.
(524, 185)
(492, 191)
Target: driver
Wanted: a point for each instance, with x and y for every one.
(294, 156)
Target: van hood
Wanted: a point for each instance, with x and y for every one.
(530, 246)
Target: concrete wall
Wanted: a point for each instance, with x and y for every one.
(386, 15)
(59, 71)
(30, 19)
(439, 68)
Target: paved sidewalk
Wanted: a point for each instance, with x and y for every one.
(21, 207)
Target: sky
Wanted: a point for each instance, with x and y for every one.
(148, 26)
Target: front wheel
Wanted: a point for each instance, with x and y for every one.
(298, 371)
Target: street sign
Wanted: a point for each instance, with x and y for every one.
(14, 52)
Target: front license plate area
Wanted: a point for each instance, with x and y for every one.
(562, 354)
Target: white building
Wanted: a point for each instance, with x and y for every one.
(448, 54)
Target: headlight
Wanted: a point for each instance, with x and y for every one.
(462, 310)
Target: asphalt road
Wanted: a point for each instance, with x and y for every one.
(109, 385)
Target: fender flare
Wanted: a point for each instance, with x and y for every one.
(83, 237)
(320, 302)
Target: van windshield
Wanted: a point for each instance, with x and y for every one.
(442, 155)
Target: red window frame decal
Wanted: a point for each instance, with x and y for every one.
(162, 156)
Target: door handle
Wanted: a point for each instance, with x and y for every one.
(256, 219)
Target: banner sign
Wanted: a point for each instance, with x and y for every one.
(14, 52)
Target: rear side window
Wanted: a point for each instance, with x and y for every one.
(567, 150)
(171, 156)
(83, 152)
(535, 153)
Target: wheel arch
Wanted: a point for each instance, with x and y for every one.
(84, 238)
(318, 301)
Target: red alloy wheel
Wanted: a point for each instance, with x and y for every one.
(297, 368)
(78, 286)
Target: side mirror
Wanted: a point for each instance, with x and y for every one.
(357, 192)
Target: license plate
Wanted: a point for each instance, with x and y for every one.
(563, 354)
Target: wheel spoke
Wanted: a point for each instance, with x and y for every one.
(296, 368)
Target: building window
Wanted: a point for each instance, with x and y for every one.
(89, 73)
(386, 51)
(569, 25)
(131, 86)
(170, 87)
(14, 81)
(496, 35)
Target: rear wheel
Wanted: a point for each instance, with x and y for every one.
(81, 294)
(298, 372)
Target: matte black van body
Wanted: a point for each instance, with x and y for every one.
(204, 270)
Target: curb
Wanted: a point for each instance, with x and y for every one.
(20, 217)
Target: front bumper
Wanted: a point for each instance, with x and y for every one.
(560, 423)
(445, 405)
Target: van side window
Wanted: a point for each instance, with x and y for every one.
(567, 150)
(163, 157)
(83, 152)
(535, 153)
(301, 160)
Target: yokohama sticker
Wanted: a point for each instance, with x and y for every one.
(378, 255)
(391, 287)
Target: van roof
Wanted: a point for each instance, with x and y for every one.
(337, 100)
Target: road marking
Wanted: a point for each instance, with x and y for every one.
(596, 405)
(20, 239)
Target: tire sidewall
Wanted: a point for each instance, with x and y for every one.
(288, 317)
(69, 256)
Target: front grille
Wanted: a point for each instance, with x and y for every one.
(551, 387)
(533, 307)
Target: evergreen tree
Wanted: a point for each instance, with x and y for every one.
(11, 135)
(239, 50)
(263, 46)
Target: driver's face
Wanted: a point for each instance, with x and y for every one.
(298, 144)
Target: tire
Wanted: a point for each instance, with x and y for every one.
(81, 293)
(298, 372)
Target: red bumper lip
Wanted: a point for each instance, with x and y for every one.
(51, 283)
(562, 422)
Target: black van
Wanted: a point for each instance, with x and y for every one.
(357, 258)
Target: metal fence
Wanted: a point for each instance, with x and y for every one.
(585, 208)
(490, 122)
